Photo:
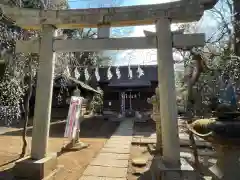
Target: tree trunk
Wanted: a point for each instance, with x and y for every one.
(193, 77)
(26, 107)
(191, 136)
(236, 6)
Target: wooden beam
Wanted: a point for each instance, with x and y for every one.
(178, 11)
(184, 41)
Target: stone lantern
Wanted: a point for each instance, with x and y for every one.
(155, 101)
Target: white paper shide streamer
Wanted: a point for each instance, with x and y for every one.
(109, 73)
(97, 74)
(130, 74)
(76, 73)
(86, 74)
(118, 73)
(140, 72)
(67, 72)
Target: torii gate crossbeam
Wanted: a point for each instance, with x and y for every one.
(177, 11)
(181, 41)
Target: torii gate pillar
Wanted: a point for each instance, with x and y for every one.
(43, 105)
(41, 164)
(168, 108)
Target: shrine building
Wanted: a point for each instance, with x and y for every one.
(125, 93)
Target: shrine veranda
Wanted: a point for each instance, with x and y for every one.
(162, 15)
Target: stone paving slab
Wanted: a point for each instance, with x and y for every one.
(118, 143)
(115, 146)
(109, 163)
(113, 156)
(121, 137)
(99, 178)
(127, 134)
(100, 171)
(126, 146)
(124, 137)
(4, 130)
(125, 140)
(117, 150)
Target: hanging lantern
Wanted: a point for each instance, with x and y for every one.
(140, 71)
(86, 74)
(97, 74)
(76, 73)
(118, 73)
(130, 75)
(109, 73)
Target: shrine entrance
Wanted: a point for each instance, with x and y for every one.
(129, 97)
(162, 15)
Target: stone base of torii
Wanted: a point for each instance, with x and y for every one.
(42, 164)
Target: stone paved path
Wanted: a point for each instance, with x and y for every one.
(4, 129)
(112, 161)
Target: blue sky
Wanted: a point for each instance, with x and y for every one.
(136, 56)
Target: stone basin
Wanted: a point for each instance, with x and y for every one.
(227, 116)
(225, 138)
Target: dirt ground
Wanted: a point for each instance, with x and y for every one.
(93, 132)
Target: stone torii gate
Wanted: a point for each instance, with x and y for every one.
(162, 15)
